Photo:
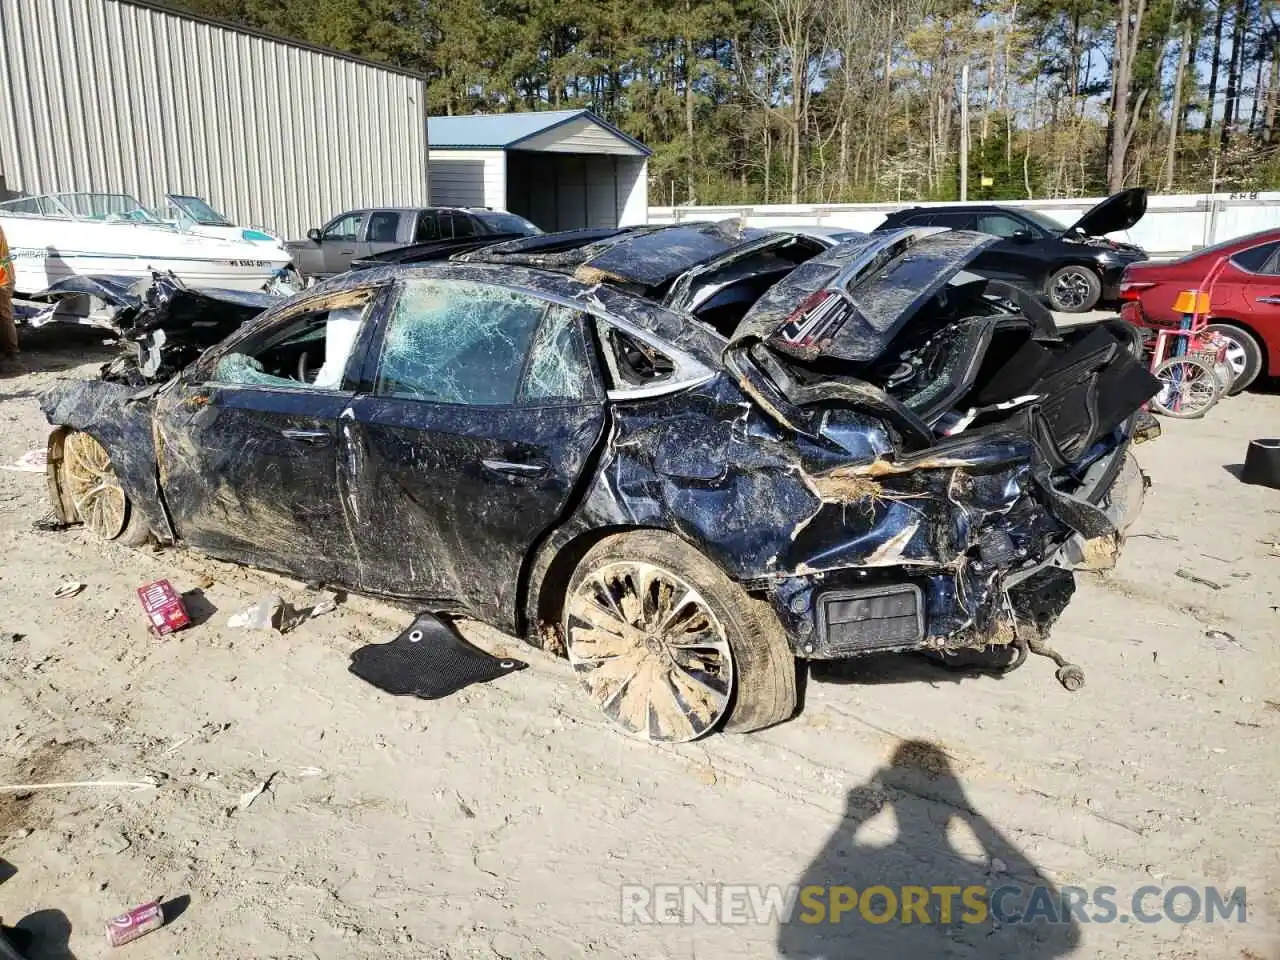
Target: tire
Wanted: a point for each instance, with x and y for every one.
(1074, 289)
(89, 479)
(733, 669)
(1189, 388)
(1244, 355)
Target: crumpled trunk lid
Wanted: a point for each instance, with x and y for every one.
(849, 303)
(892, 325)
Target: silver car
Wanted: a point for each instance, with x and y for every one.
(329, 250)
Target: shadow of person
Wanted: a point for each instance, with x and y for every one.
(945, 884)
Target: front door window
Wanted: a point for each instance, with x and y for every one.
(344, 229)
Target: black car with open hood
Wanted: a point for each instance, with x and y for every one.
(687, 457)
(1077, 268)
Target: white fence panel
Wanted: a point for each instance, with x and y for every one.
(1174, 224)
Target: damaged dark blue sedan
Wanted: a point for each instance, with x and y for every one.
(688, 457)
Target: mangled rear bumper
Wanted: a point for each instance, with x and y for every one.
(1003, 566)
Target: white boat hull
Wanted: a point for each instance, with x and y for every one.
(48, 249)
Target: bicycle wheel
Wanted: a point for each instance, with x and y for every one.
(1188, 388)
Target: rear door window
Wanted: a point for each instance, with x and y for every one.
(428, 227)
(1259, 259)
(460, 342)
(384, 226)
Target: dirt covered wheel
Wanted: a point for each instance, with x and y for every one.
(1188, 388)
(90, 482)
(1244, 355)
(670, 648)
(1074, 289)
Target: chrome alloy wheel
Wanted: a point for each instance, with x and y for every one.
(650, 651)
(1071, 289)
(93, 486)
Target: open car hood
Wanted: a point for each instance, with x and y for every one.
(849, 303)
(1119, 211)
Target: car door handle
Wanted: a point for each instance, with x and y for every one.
(316, 437)
(516, 469)
(1270, 300)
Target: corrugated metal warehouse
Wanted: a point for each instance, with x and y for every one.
(562, 169)
(126, 96)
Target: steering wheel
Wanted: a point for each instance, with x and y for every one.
(302, 367)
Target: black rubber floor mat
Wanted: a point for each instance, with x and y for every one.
(429, 659)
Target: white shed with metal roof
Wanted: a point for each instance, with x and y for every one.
(562, 169)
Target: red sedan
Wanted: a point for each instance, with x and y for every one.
(1245, 298)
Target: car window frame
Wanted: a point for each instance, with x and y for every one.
(372, 359)
(1018, 222)
(467, 218)
(368, 225)
(202, 371)
(433, 216)
(360, 229)
(938, 220)
(1271, 261)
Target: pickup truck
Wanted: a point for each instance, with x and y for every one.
(329, 250)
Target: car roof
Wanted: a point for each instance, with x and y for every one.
(945, 208)
(643, 256)
(680, 330)
(413, 210)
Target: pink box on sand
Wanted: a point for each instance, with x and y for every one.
(164, 607)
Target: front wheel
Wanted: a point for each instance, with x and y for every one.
(1074, 289)
(90, 480)
(668, 647)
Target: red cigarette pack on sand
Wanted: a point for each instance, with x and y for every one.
(137, 922)
(164, 607)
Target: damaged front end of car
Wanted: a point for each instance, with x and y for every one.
(161, 324)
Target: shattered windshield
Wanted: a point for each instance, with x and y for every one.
(199, 211)
(456, 341)
(111, 207)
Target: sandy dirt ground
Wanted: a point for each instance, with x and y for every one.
(504, 821)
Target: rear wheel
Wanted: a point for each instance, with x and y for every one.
(1244, 355)
(670, 648)
(100, 501)
(1074, 289)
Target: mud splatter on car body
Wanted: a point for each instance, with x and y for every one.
(886, 451)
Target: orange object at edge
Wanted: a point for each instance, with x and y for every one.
(1192, 301)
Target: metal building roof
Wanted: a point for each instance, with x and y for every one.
(507, 131)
